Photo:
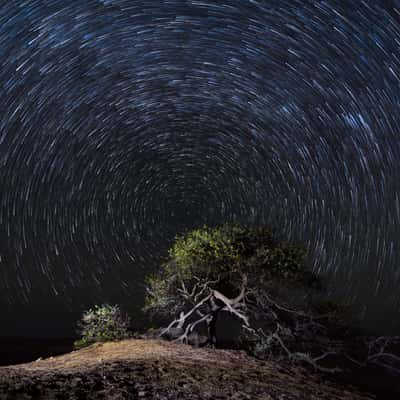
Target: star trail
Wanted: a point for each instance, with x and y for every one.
(124, 123)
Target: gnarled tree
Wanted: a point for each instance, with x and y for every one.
(265, 284)
(230, 269)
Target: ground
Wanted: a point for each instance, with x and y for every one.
(151, 369)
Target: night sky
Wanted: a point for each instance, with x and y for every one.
(126, 122)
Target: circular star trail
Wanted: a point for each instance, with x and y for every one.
(124, 123)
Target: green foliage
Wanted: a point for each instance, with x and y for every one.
(101, 324)
(218, 250)
(204, 251)
(282, 261)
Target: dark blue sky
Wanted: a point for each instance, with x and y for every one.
(126, 122)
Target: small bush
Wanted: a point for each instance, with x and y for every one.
(102, 323)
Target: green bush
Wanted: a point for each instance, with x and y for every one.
(101, 324)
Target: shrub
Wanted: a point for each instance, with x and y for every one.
(101, 324)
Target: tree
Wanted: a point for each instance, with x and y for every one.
(265, 284)
(229, 269)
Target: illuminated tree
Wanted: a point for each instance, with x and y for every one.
(265, 284)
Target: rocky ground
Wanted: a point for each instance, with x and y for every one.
(150, 369)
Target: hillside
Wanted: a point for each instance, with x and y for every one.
(149, 369)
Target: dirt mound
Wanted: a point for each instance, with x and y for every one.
(150, 369)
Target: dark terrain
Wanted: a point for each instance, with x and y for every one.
(150, 369)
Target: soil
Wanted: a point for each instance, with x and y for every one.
(152, 369)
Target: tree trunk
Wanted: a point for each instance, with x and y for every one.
(212, 330)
